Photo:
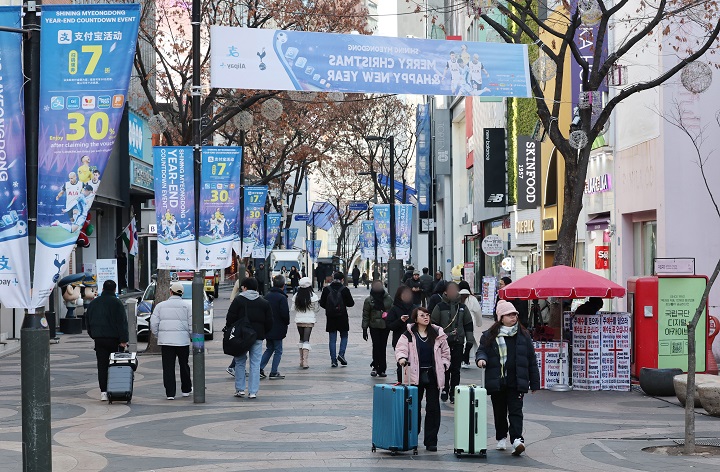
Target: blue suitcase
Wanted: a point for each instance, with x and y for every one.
(395, 418)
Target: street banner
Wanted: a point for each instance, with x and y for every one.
(254, 58)
(615, 353)
(586, 41)
(586, 352)
(441, 149)
(488, 295)
(494, 166)
(367, 240)
(272, 229)
(175, 207)
(422, 154)
(313, 248)
(403, 230)
(552, 361)
(15, 254)
(253, 210)
(528, 173)
(86, 58)
(291, 237)
(381, 215)
(219, 205)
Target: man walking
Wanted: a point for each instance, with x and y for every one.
(335, 299)
(356, 276)
(260, 275)
(171, 323)
(426, 284)
(414, 284)
(107, 325)
(278, 301)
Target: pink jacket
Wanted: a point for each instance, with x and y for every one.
(407, 349)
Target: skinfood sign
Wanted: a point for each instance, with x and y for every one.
(528, 173)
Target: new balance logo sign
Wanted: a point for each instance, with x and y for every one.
(496, 198)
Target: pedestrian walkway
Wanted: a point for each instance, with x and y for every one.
(316, 420)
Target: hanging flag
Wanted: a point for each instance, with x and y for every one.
(291, 237)
(253, 210)
(403, 230)
(15, 254)
(219, 205)
(313, 248)
(367, 240)
(130, 238)
(84, 76)
(272, 229)
(381, 214)
(175, 207)
(423, 178)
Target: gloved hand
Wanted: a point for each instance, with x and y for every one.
(365, 334)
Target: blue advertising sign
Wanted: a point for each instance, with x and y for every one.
(358, 206)
(253, 210)
(367, 240)
(403, 230)
(272, 229)
(313, 248)
(302, 217)
(15, 254)
(135, 135)
(291, 237)
(86, 57)
(423, 179)
(175, 207)
(254, 58)
(141, 174)
(381, 214)
(219, 205)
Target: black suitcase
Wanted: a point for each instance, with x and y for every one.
(120, 383)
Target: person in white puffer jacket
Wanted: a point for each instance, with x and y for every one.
(305, 308)
(171, 323)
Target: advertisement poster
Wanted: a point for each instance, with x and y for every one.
(602, 257)
(253, 210)
(367, 240)
(494, 166)
(528, 173)
(615, 354)
(175, 207)
(403, 230)
(272, 229)
(442, 122)
(86, 58)
(219, 205)
(254, 58)
(106, 270)
(423, 177)
(290, 237)
(552, 359)
(15, 255)
(488, 295)
(586, 352)
(313, 248)
(469, 274)
(678, 298)
(381, 214)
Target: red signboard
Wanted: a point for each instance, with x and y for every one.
(602, 257)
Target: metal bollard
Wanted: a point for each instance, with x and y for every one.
(131, 308)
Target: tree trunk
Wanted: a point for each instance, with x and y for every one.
(575, 174)
(162, 293)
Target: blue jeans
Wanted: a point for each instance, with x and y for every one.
(254, 376)
(333, 344)
(274, 346)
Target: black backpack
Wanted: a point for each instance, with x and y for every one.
(335, 305)
(239, 337)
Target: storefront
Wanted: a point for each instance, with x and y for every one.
(525, 254)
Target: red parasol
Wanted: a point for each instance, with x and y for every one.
(562, 282)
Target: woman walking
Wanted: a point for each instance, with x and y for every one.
(294, 277)
(398, 317)
(424, 349)
(305, 308)
(473, 305)
(374, 315)
(506, 349)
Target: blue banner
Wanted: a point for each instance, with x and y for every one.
(403, 231)
(313, 248)
(175, 207)
(291, 237)
(15, 255)
(423, 179)
(381, 215)
(254, 58)
(253, 210)
(272, 229)
(219, 205)
(86, 57)
(367, 240)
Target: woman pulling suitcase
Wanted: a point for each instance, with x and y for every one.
(425, 351)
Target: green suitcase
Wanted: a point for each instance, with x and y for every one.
(471, 420)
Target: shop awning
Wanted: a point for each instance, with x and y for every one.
(599, 223)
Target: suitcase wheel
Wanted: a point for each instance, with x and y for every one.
(458, 455)
(483, 453)
(393, 453)
(373, 448)
(415, 452)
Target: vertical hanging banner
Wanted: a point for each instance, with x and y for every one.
(422, 154)
(219, 205)
(15, 255)
(528, 173)
(494, 160)
(290, 237)
(403, 230)
(368, 240)
(175, 207)
(86, 57)
(272, 229)
(381, 214)
(253, 210)
(313, 248)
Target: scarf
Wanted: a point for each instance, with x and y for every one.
(502, 347)
(378, 300)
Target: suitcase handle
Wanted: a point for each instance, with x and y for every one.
(482, 377)
(476, 420)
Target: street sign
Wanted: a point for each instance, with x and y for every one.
(427, 225)
(302, 217)
(675, 266)
(152, 228)
(492, 245)
(358, 206)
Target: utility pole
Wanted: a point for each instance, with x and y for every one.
(198, 309)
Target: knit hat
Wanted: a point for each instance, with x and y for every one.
(305, 282)
(503, 308)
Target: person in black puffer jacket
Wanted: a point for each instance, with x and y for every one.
(506, 349)
(337, 317)
(398, 317)
(278, 300)
(437, 295)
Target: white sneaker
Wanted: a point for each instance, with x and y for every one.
(465, 365)
(103, 396)
(187, 394)
(240, 394)
(501, 445)
(171, 398)
(518, 447)
(252, 396)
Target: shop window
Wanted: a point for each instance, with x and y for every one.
(551, 185)
(644, 247)
(580, 258)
